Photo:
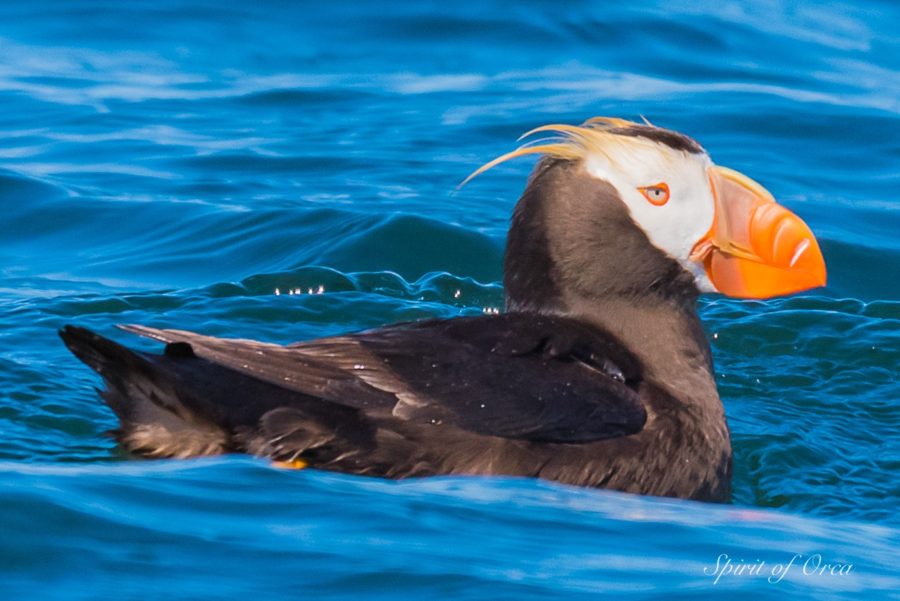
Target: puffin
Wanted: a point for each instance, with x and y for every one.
(597, 373)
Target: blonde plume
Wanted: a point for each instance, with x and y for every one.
(572, 142)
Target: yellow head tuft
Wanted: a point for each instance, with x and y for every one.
(576, 142)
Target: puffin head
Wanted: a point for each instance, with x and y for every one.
(622, 207)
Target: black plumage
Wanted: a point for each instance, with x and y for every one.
(598, 374)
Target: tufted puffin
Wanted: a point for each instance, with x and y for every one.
(597, 374)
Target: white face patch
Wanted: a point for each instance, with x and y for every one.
(676, 226)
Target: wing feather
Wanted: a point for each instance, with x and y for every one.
(515, 376)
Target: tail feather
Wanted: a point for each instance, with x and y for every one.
(94, 350)
(180, 405)
(154, 421)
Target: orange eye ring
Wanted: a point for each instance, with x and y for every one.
(657, 194)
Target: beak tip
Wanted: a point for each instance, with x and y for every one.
(823, 281)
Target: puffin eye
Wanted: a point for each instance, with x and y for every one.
(657, 194)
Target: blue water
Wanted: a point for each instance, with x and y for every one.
(175, 164)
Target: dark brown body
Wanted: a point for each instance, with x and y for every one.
(599, 374)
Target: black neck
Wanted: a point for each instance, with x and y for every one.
(571, 235)
(574, 250)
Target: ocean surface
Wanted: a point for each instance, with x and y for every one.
(283, 170)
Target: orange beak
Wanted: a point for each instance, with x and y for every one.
(756, 248)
